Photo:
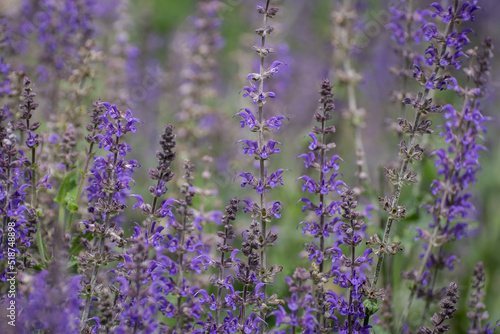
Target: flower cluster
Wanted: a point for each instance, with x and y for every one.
(345, 19)
(61, 28)
(110, 180)
(17, 232)
(88, 246)
(457, 167)
(335, 240)
(448, 308)
(53, 302)
(478, 313)
(198, 56)
(255, 272)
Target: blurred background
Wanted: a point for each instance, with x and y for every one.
(150, 61)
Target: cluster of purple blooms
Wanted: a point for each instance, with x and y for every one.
(82, 267)
(60, 28)
(337, 230)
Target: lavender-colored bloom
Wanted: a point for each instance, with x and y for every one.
(5, 88)
(478, 313)
(257, 239)
(138, 301)
(329, 233)
(19, 222)
(459, 162)
(448, 308)
(53, 304)
(111, 177)
(60, 29)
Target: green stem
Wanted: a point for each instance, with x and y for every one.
(263, 227)
(181, 269)
(100, 248)
(221, 277)
(429, 300)
(153, 206)
(353, 258)
(67, 225)
(363, 174)
(34, 201)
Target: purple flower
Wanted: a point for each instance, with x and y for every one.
(275, 122)
(248, 118)
(314, 143)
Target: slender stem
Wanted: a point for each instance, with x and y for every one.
(429, 295)
(221, 277)
(34, 204)
(353, 258)
(67, 225)
(321, 196)
(363, 175)
(153, 206)
(394, 203)
(261, 144)
(100, 248)
(245, 294)
(320, 301)
(34, 201)
(181, 269)
(263, 227)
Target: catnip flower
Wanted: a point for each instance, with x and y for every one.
(110, 181)
(334, 241)
(256, 272)
(458, 164)
(448, 308)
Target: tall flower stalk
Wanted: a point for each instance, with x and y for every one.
(94, 127)
(199, 77)
(260, 149)
(338, 230)
(344, 16)
(107, 192)
(321, 228)
(409, 151)
(32, 142)
(457, 165)
(223, 280)
(140, 285)
(478, 312)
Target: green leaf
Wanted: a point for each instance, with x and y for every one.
(73, 261)
(68, 189)
(371, 306)
(72, 207)
(39, 266)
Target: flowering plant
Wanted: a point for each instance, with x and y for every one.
(92, 242)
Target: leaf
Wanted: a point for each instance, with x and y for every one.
(39, 266)
(71, 206)
(371, 306)
(73, 261)
(68, 189)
